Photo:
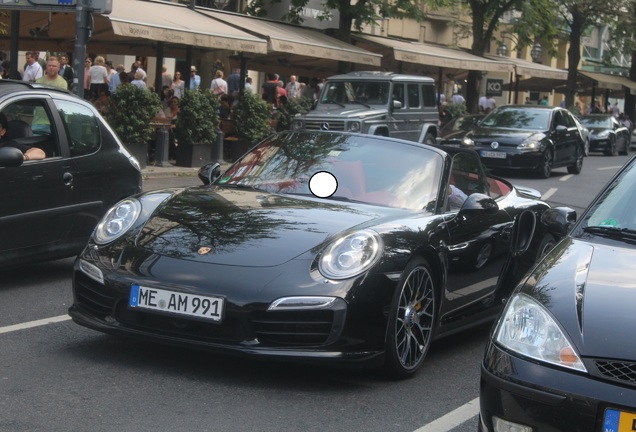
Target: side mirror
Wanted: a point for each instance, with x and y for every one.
(561, 128)
(478, 203)
(10, 157)
(209, 173)
(397, 104)
(559, 220)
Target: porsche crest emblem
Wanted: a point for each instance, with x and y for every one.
(204, 250)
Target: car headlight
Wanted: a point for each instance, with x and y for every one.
(351, 255)
(530, 145)
(603, 134)
(354, 126)
(468, 141)
(117, 221)
(526, 327)
(297, 124)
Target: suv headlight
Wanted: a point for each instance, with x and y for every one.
(354, 126)
(468, 141)
(297, 124)
(351, 255)
(526, 327)
(117, 221)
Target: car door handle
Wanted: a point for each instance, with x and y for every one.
(68, 179)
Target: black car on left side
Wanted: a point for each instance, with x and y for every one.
(51, 206)
(532, 138)
(607, 134)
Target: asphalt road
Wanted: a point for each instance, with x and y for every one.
(57, 376)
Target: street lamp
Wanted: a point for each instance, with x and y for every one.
(536, 52)
(502, 50)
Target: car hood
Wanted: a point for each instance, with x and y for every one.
(589, 288)
(231, 226)
(350, 111)
(487, 135)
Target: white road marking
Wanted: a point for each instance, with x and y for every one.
(31, 324)
(549, 193)
(453, 419)
(609, 168)
(566, 177)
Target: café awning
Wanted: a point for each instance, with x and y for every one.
(295, 47)
(434, 55)
(174, 23)
(534, 70)
(134, 26)
(609, 82)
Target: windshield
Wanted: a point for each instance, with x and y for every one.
(615, 209)
(347, 92)
(596, 122)
(518, 118)
(367, 169)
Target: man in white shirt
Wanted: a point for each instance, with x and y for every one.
(293, 88)
(33, 70)
(482, 103)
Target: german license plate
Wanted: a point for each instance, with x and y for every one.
(619, 421)
(492, 154)
(192, 305)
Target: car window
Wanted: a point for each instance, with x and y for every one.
(413, 91)
(398, 93)
(82, 127)
(466, 179)
(428, 95)
(30, 121)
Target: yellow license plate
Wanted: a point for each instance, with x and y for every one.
(619, 421)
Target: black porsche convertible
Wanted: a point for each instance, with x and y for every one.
(409, 243)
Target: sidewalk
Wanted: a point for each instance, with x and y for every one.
(152, 171)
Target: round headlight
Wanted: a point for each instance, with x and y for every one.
(117, 221)
(297, 124)
(354, 126)
(351, 255)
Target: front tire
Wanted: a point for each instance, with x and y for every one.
(411, 320)
(545, 165)
(611, 150)
(578, 163)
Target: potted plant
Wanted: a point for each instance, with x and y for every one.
(291, 109)
(196, 127)
(253, 118)
(129, 113)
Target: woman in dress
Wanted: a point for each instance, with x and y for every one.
(178, 86)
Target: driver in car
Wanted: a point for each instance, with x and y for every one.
(29, 152)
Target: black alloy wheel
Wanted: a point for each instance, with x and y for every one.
(411, 321)
(611, 147)
(578, 163)
(545, 164)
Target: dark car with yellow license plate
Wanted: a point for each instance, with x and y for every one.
(562, 356)
(405, 244)
(51, 206)
(531, 138)
(607, 134)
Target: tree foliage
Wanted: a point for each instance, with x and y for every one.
(352, 14)
(130, 111)
(198, 118)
